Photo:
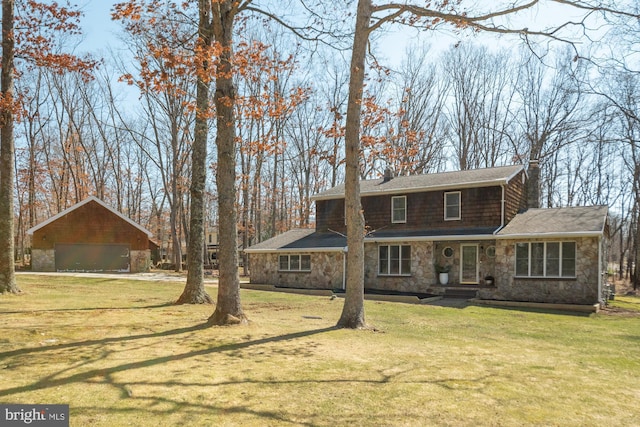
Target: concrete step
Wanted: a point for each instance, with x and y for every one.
(460, 293)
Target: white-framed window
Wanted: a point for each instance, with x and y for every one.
(399, 209)
(546, 259)
(394, 260)
(452, 206)
(294, 263)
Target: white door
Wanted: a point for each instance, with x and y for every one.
(469, 264)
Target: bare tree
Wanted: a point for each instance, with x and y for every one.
(419, 123)
(550, 117)
(480, 105)
(166, 90)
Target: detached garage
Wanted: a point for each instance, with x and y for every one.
(90, 236)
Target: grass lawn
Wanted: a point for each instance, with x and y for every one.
(119, 353)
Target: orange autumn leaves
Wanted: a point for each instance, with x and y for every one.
(38, 35)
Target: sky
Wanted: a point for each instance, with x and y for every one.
(97, 27)
(99, 30)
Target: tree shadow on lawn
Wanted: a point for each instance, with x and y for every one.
(71, 310)
(163, 406)
(50, 381)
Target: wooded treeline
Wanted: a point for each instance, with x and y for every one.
(462, 106)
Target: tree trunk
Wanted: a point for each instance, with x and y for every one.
(7, 153)
(228, 308)
(353, 309)
(194, 292)
(635, 276)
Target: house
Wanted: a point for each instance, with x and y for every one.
(90, 236)
(475, 224)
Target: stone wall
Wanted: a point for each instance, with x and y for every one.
(326, 271)
(43, 260)
(422, 276)
(584, 289)
(140, 261)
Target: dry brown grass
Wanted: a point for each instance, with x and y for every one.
(120, 354)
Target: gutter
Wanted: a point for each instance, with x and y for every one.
(556, 234)
(291, 250)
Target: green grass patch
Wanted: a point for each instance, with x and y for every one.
(120, 353)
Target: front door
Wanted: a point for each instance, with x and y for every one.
(469, 264)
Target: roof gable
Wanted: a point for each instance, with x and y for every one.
(82, 203)
(429, 182)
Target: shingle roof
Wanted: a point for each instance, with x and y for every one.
(582, 220)
(306, 239)
(433, 181)
(281, 240)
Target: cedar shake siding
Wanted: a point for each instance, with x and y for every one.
(425, 211)
(330, 215)
(480, 208)
(515, 196)
(481, 203)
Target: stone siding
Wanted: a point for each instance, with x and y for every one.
(140, 261)
(584, 289)
(326, 271)
(422, 276)
(43, 260)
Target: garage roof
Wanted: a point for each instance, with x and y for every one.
(82, 203)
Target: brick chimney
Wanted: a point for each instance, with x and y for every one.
(533, 184)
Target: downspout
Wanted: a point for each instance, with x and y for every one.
(502, 209)
(600, 272)
(344, 267)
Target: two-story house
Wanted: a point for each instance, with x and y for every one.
(475, 224)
